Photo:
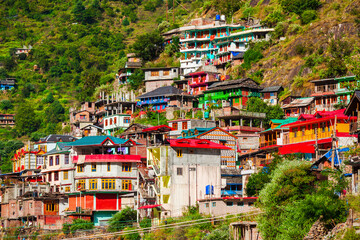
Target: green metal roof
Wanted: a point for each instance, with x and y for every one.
(192, 131)
(282, 123)
(96, 140)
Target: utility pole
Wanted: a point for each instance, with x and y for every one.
(333, 141)
(316, 145)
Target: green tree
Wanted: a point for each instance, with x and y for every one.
(255, 104)
(55, 112)
(122, 219)
(294, 199)
(78, 11)
(148, 46)
(7, 151)
(6, 105)
(299, 6)
(136, 79)
(26, 121)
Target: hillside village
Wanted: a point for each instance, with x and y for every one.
(192, 137)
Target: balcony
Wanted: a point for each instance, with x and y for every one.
(268, 144)
(153, 101)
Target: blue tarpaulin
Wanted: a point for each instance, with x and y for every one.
(235, 53)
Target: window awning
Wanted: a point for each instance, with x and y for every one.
(150, 206)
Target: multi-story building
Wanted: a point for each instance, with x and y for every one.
(315, 134)
(180, 125)
(273, 138)
(160, 77)
(230, 93)
(105, 177)
(7, 84)
(58, 170)
(82, 117)
(215, 42)
(162, 97)
(24, 49)
(7, 120)
(219, 136)
(201, 79)
(131, 65)
(116, 121)
(179, 166)
(271, 94)
(27, 202)
(331, 92)
(299, 106)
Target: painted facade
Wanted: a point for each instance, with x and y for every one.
(105, 176)
(117, 121)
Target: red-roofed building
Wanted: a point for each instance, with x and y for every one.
(317, 131)
(105, 176)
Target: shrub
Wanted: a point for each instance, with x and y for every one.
(294, 28)
(122, 219)
(299, 6)
(308, 16)
(279, 30)
(274, 17)
(300, 49)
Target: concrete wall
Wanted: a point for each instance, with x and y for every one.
(120, 121)
(219, 207)
(152, 85)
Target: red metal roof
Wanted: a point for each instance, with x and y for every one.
(162, 128)
(320, 116)
(196, 143)
(109, 158)
(302, 147)
(150, 206)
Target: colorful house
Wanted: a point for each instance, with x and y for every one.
(234, 93)
(331, 92)
(271, 94)
(273, 138)
(105, 177)
(7, 120)
(162, 97)
(201, 80)
(299, 106)
(179, 125)
(116, 121)
(7, 84)
(315, 134)
(215, 41)
(131, 65)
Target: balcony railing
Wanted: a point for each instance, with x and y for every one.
(267, 144)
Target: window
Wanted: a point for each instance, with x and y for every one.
(56, 176)
(214, 204)
(93, 167)
(126, 185)
(222, 142)
(175, 125)
(111, 121)
(240, 204)
(80, 168)
(154, 73)
(179, 152)
(106, 122)
(108, 167)
(30, 205)
(126, 120)
(206, 205)
(51, 161)
(108, 183)
(57, 160)
(179, 171)
(81, 185)
(126, 167)
(66, 175)
(51, 207)
(229, 204)
(39, 160)
(93, 184)
(166, 73)
(66, 160)
(115, 119)
(184, 125)
(49, 177)
(67, 189)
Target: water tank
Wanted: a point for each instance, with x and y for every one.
(222, 18)
(209, 189)
(217, 17)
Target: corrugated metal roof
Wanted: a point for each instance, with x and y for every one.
(97, 140)
(300, 102)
